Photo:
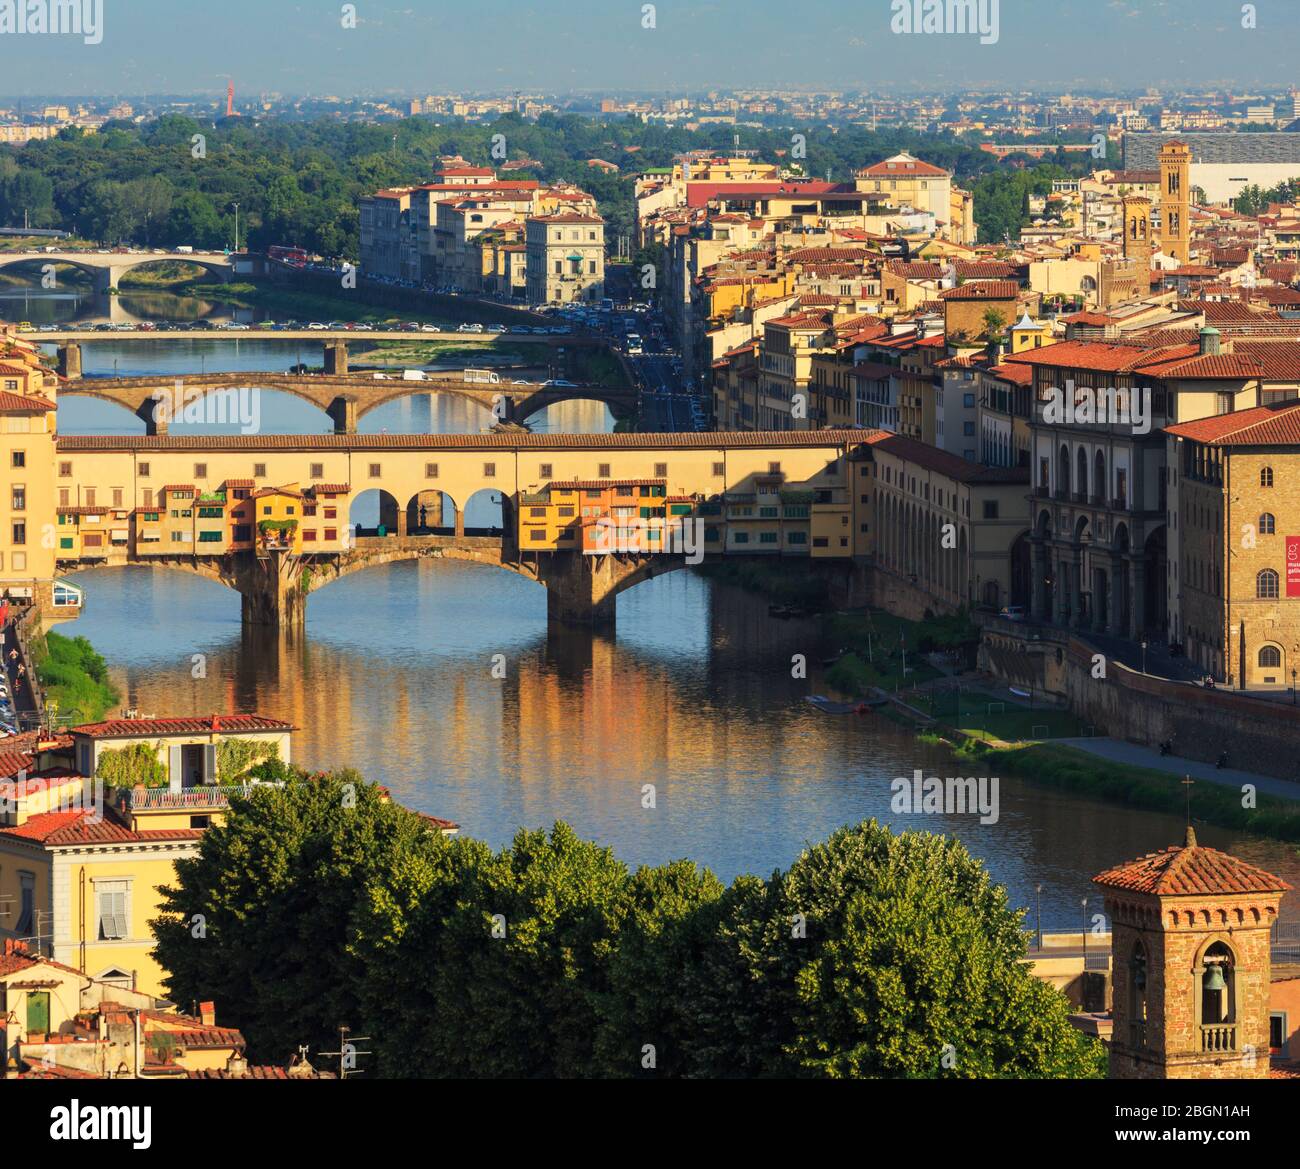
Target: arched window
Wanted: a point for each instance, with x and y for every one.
(1267, 525)
(1266, 476)
(1137, 995)
(1270, 657)
(1218, 986)
(1266, 585)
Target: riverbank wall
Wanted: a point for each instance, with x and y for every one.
(1139, 708)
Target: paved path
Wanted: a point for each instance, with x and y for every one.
(1120, 752)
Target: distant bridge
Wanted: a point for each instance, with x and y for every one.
(346, 398)
(325, 336)
(107, 270)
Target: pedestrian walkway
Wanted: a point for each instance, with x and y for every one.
(1119, 752)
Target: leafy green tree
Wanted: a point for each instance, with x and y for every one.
(261, 920)
(885, 956)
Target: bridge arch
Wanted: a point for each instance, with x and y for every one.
(373, 509)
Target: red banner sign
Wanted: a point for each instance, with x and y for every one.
(1293, 566)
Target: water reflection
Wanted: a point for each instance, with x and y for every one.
(693, 695)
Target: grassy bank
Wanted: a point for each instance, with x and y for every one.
(887, 651)
(74, 677)
(298, 305)
(1075, 771)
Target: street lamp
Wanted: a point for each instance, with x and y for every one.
(1038, 911)
(1144, 657)
(236, 207)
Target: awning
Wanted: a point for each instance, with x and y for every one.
(119, 534)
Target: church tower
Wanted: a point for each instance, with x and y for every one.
(1190, 938)
(1176, 201)
(1138, 245)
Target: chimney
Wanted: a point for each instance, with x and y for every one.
(208, 1014)
(1210, 346)
(237, 1066)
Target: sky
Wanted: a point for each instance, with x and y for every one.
(302, 47)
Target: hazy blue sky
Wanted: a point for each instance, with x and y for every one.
(183, 46)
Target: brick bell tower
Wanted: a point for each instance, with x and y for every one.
(1176, 201)
(1138, 244)
(1191, 964)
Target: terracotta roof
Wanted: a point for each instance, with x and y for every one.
(18, 404)
(254, 1072)
(594, 484)
(983, 290)
(132, 728)
(241, 483)
(902, 164)
(1190, 869)
(330, 488)
(83, 827)
(1259, 426)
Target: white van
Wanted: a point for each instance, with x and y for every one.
(484, 376)
(413, 375)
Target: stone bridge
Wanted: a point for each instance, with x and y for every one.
(346, 398)
(274, 587)
(106, 270)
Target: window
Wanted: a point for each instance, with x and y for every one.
(18, 497)
(430, 470)
(200, 470)
(602, 471)
(210, 537)
(990, 509)
(489, 470)
(259, 470)
(1267, 525)
(661, 470)
(544, 471)
(968, 400)
(20, 533)
(110, 908)
(331, 533)
(742, 537)
(64, 497)
(1277, 1032)
(719, 469)
(1270, 657)
(1266, 476)
(318, 470)
(18, 459)
(1266, 585)
(768, 537)
(774, 468)
(143, 470)
(331, 513)
(375, 470)
(309, 535)
(27, 905)
(65, 470)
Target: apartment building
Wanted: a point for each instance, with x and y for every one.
(28, 414)
(565, 257)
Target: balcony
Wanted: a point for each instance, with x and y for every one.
(201, 796)
(1219, 1037)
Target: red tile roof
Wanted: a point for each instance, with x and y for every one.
(902, 165)
(83, 827)
(1190, 869)
(1259, 426)
(983, 290)
(132, 728)
(18, 404)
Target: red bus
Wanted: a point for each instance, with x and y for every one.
(295, 256)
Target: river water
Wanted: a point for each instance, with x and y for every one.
(693, 695)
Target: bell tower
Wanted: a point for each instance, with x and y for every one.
(1176, 201)
(1190, 938)
(1138, 244)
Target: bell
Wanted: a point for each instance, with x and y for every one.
(1214, 978)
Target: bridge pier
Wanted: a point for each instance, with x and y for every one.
(69, 360)
(336, 357)
(343, 413)
(271, 591)
(580, 590)
(154, 416)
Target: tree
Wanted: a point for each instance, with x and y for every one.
(995, 324)
(886, 956)
(261, 920)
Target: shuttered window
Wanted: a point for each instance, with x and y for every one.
(111, 899)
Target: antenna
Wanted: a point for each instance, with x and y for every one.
(346, 1051)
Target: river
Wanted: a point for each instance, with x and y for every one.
(693, 695)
